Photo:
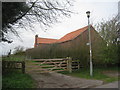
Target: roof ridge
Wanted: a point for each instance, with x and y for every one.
(77, 29)
(69, 36)
(48, 38)
(73, 32)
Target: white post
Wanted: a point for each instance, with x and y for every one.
(91, 65)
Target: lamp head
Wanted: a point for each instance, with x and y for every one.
(88, 14)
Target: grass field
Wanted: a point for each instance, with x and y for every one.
(97, 74)
(17, 80)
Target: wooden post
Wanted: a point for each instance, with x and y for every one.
(78, 65)
(70, 65)
(67, 63)
(30, 58)
(23, 67)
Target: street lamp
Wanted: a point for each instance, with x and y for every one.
(91, 66)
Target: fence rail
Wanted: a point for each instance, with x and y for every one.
(62, 64)
(10, 65)
(57, 59)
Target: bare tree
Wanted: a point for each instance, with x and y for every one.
(110, 30)
(46, 12)
(18, 49)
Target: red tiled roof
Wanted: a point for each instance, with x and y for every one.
(72, 35)
(67, 37)
(46, 40)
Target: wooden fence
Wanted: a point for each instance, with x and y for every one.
(56, 65)
(11, 65)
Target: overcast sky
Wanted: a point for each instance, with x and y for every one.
(101, 9)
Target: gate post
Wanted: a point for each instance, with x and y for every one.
(23, 67)
(78, 65)
(69, 64)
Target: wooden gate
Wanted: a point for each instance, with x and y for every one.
(53, 65)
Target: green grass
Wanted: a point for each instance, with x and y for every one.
(14, 58)
(97, 74)
(17, 80)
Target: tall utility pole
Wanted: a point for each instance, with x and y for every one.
(91, 65)
(119, 12)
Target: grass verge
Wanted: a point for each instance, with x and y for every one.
(97, 74)
(17, 80)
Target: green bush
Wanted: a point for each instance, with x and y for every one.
(110, 55)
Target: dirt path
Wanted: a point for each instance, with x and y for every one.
(56, 80)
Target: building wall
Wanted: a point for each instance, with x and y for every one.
(76, 48)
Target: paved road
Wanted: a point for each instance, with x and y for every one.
(110, 85)
(56, 80)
